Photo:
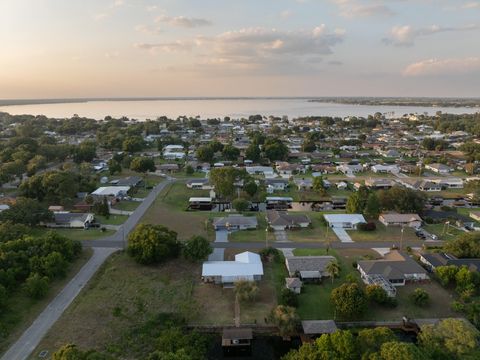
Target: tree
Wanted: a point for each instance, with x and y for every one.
(333, 269)
(446, 274)
(376, 294)
(197, 249)
(275, 149)
(142, 164)
(354, 204)
(246, 291)
(466, 245)
(288, 298)
(230, 152)
(319, 186)
(85, 152)
(338, 345)
(189, 170)
(253, 152)
(371, 340)
(420, 297)
(54, 265)
(250, 188)
(402, 200)
(286, 319)
(224, 180)
(102, 208)
(349, 300)
(10, 231)
(36, 286)
(152, 244)
(452, 337)
(309, 146)
(71, 352)
(205, 153)
(372, 208)
(26, 211)
(114, 167)
(133, 144)
(3, 296)
(394, 350)
(240, 205)
(465, 278)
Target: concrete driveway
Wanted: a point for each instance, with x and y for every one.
(218, 254)
(342, 235)
(281, 235)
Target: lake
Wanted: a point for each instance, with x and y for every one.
(217, 108)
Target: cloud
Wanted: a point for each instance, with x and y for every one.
(118, 3)
(169, 47)
(435, 67)
(112, 55)
(285, 14)
(471, 5)
(258, 49)
(148, 29)
(100, 16)
(406, 35)
(182, 21)
(355, 9)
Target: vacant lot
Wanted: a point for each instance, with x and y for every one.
(124, 295)
(126, 205)
(384, 233)
(76, 234)
(22, 310)
(169, 209)
(257, 235)
(442, 231)
(315, 299)
(112, 219)
(318, 232)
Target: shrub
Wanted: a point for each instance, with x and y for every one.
(36, 286)
(420, 297)
(370, 226)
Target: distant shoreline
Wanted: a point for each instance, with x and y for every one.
(372, 101)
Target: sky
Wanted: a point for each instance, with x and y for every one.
(139, 48)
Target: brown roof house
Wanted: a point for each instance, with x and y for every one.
(281, 220)
(396, 219)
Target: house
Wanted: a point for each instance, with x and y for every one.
(200, 203)
(266, 171)
(278, 202)
(318, 327)
(422, 185)
(379, 168)
(132, 181)
(434, 260)
(173, 152)
(395, 269)
(342, 185)
(439, 168)
(308, 267)
(304, 184)
(396, 219)
(379, 184)
(71, 220)
(294, 284)
(449, 183)
(349, 169)
(344, 221)
(475, 215)
(246, 266)
(56, 208)
(237, 338)
(276, 185)
(448, 216)
(235, 222)
(199, 184)
(111, 192)
(287, 170)
(4, 207)
(168, 168)
(281, 220)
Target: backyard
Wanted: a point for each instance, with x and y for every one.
(384, 233)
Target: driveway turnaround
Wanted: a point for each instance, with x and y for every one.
(342, 235)
(33, 335)
(218, 254)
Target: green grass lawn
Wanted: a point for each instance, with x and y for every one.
(126, 205)
(383, 233)
(318, 232)
(177, 195)
(441, 231)
(21, 311)
(112, 219)
(79, 234)
(257, 235)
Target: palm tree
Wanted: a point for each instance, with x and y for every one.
(333, 269)
(246, 291)
(286, 319)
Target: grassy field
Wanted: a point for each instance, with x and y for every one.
(169, 209)
(126, 205)
(383, 233)
(22, 310)
(315, 299)
(76, 234)
(123, 295)
(257, 235)
(112, 219)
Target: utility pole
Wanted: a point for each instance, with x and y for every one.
(401, 238)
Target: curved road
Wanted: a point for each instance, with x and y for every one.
(102, 249)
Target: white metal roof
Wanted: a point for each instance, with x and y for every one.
(245, 264)
(344, 218)
(111, 190)
(200, 199)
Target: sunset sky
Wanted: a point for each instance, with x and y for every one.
(116, 48)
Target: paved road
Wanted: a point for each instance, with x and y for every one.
(322, 245)
(102, 249)
(39, 328)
